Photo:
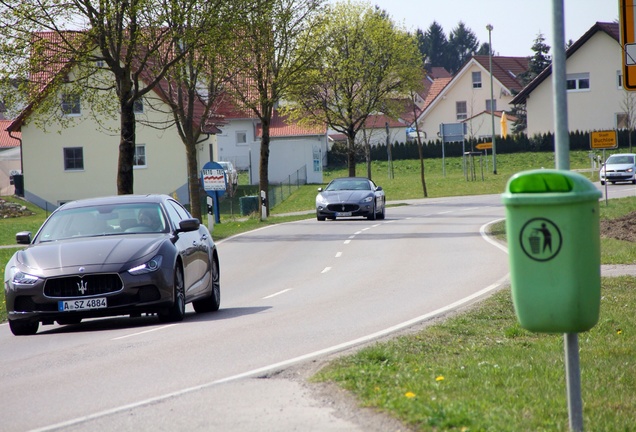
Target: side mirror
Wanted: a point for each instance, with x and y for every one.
(23, 237)
(188, 225)
(319, 189)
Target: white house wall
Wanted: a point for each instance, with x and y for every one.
(443, 109)
(595, 109)
(287, 155)
(47, 183)
(229, 149)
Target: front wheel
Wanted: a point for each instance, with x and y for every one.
(175, 312)
(212, 303)
(373, 215)
(382, 214)
(23, 327)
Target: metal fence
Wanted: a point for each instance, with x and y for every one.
(278, 192)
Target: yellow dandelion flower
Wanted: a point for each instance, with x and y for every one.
(409, 395)
(439, 378)
(619, 331)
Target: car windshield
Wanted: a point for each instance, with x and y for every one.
(103, 220)
(337, 185)
(620, 159)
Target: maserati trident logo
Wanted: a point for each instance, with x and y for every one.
(82, 287)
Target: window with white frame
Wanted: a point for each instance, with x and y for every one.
(461, 110)
(622, 121)
(476, 79)
(491, 105)
(73, 158)
(578, 82)
(139, 160)
(71, 104)
(138, 106)
(241, 137)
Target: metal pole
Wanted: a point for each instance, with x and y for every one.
(489, 27)
(562, 159)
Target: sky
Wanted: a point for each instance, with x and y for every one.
(516, 23)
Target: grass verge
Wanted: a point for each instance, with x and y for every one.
(480, 371)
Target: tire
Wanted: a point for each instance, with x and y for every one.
(23, 327)
(176, 311)
(382, 214)
(602, 183)
(213, 302)
(320, 218)
(69, 320)
(373, 215)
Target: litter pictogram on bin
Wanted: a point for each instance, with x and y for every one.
(540, 239)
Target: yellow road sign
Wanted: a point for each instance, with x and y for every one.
(603, 140)
(484, 146)
(627, 19)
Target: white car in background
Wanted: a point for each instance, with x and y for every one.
(230, 172)
(620, 167)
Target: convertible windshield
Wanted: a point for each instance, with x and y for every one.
(348, 185)
(103, 221)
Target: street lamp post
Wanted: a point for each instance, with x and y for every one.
(489, 27)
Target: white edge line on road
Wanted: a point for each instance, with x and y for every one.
(144, 332)
(486, 237)
(292, 361)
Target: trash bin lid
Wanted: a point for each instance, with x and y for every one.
(549, 186)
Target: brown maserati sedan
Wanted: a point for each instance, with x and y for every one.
(119, 255)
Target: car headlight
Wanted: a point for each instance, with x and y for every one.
(367, 199)
(18, 277)
(629, 170)
(320, 200)
(147, 267)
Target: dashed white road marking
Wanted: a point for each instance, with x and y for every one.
(278, 293)
(325, 270)
(338, 254)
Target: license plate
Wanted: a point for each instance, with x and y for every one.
(343, 214)
(84, 304)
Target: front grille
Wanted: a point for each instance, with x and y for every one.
(89, 285)
(343, 207)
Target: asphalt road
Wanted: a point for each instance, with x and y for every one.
(292, 295)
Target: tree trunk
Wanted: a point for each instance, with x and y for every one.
(193, 181)
(263, 183)
(126, 150)
(351, 155)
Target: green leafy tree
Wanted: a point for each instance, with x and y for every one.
(366, 65)
(110, 53)
(271, 55)
(194, 87)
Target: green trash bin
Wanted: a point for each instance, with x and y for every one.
(552, 226)
(248, 205)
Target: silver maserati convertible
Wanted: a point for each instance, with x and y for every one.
(120, 255)
(350, 196)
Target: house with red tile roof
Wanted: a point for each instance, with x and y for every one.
(466, 96)
(75, 155)
(294, 150)
(596, 98)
